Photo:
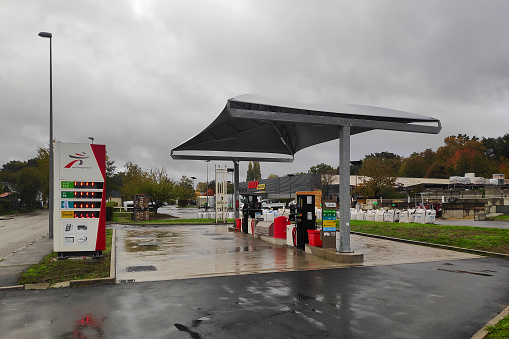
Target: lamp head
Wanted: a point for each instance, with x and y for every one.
(45, 35)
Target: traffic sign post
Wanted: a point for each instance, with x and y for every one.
(79, 214)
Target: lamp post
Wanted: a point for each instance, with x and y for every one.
(51, 170)
(194, 195)
(92, 139)
(207, 206)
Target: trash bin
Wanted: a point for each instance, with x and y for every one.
(314, 238)
(280, 227)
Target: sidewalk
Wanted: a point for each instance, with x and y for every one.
(18, 261)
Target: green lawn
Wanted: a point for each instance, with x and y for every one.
(50, 270)
(500, 330)
(477, 238)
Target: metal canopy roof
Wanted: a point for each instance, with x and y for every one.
(254, 128)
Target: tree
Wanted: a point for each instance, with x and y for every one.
(158, 186)
(325, 175)
(43, 166)
(462, 154)
(250, 173)
(154, 182)
(201, 187)
(381, 182)
(391, 161)
(272, 176)
(28, 186)
(321, 169)
(253, 171)
(113, 182)
(9, 172)
(417, 165)
(257, 172)
(133, 180)
(497, 148)
(184, 188)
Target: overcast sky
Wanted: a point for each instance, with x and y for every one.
(144, 76)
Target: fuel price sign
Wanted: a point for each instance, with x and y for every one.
(79, 206)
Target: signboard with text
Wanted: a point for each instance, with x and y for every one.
(80, 200)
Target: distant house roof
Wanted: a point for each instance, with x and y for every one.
(115, 194)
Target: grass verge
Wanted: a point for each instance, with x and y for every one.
(501, 217)
(500, 330)
(50, 270)
(476, 238)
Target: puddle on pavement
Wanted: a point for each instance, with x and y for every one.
(136, 241)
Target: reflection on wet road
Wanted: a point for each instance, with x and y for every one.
(179, 252)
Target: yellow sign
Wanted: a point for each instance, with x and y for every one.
(329, 223)
(261, 186)
(67, 214)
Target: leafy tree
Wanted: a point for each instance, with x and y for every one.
(496, 148)
(253, 171)
(154, 182)
(381, 182)
(417, 165)
(201, 187)
(28, 186)
(133, 181)
(391, 161)
(321, 169)
(272, 176)
(250, 172)
(158, 186)
(8, 174)
(462, 154)
(324, 178)
(113, 182)
(184, 188)
(43, 167)
(257, 172)
(503, 168)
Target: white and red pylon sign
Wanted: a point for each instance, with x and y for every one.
(79, 208)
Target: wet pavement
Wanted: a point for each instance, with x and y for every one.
(441, 299)
(180, 252)
(400, 291)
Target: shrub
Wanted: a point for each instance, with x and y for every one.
(109, 213)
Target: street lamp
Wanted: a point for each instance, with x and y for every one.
(51, 170)
(194, 191)
(91, 138)
(207, 206)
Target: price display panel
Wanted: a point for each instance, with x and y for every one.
(79, 208)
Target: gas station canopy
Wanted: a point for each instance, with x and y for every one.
(255, 128)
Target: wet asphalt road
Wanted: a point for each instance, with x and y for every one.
(445, 299)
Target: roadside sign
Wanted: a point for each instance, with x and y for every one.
(80, 200)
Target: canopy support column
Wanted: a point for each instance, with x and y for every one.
(343, 241)
(236, 189)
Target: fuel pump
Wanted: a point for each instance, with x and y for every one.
(305, 218)
(251, 207)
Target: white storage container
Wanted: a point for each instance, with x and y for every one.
(430, 217)
(289, 235)
(379, 215)
(420, 215)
